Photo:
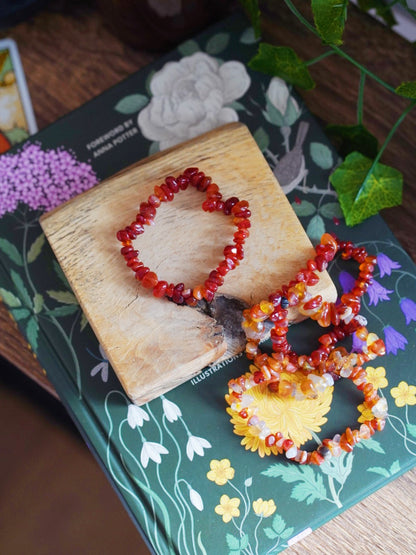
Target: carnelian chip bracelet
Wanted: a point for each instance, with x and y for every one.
(328, 447)
(233, 254)
(343, 316)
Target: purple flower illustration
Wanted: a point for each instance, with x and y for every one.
(378, 293)
(394, 340)
(409, 310)
(357, 344)
(42, 179)
(346, 281)
(386, 264)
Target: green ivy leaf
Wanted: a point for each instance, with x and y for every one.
(282, 61)
(217, 43)
(11, 251)
(66, 297)
(35, 248)
(364, 188)
(37, 303)
(188, 47)
(305, 208)
(9, 298)
(270, 533)
(382, 10)
(350, 138)
(251, 7)
(262, 138)
(407, 89)
(329, 17)
(315, 229)
(131, 104)
(321, 155)
(330, 210)
(32, 332)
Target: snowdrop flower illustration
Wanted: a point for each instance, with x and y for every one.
(408, 308)
(170, 410)
(101, 367)
(282, 108)
(196, 445)
(386, 264)
(136, 416)
(196, 499)
(152, 450)
(377, 293)
(394, 340)
(190, 97)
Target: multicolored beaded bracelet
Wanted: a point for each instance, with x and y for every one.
(343, 316)
(317, 371)
(233, 254)
(275, 442)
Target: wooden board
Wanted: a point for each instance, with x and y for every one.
(152, 344)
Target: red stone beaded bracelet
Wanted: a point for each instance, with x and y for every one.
(233, 254)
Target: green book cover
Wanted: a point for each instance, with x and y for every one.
(183, 475)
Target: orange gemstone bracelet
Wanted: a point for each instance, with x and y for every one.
(318, 370)
(233, 254)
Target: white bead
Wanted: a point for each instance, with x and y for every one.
(291, 453)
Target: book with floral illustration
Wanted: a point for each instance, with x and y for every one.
(186, 480)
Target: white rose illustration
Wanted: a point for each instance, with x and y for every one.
(190, 97)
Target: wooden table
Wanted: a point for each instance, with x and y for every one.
(71, 57)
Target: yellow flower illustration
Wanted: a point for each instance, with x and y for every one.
(264, 508)
(366, 413)
(293, 418)
(221, 471)
(228, 508)
(377, 376)
(404, 394)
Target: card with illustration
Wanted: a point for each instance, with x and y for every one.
(17, 120)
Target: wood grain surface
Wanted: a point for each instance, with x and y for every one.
(141, 334)
(69, 57)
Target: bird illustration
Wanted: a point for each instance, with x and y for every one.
(291, 170)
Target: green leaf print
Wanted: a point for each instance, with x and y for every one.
(32, 331)
(35, 248)
(338, 468)
(310, 489)
(11, 251)
(21, 288)
(305, 208)
(217, 43)
(9, 298)
(131, 104)
(321, 155)
(65, 297)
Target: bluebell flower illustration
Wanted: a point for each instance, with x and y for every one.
(386, 264)
(394, 340)
(409, 309)
(357, 344)
(346, 281)
(377, 293)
